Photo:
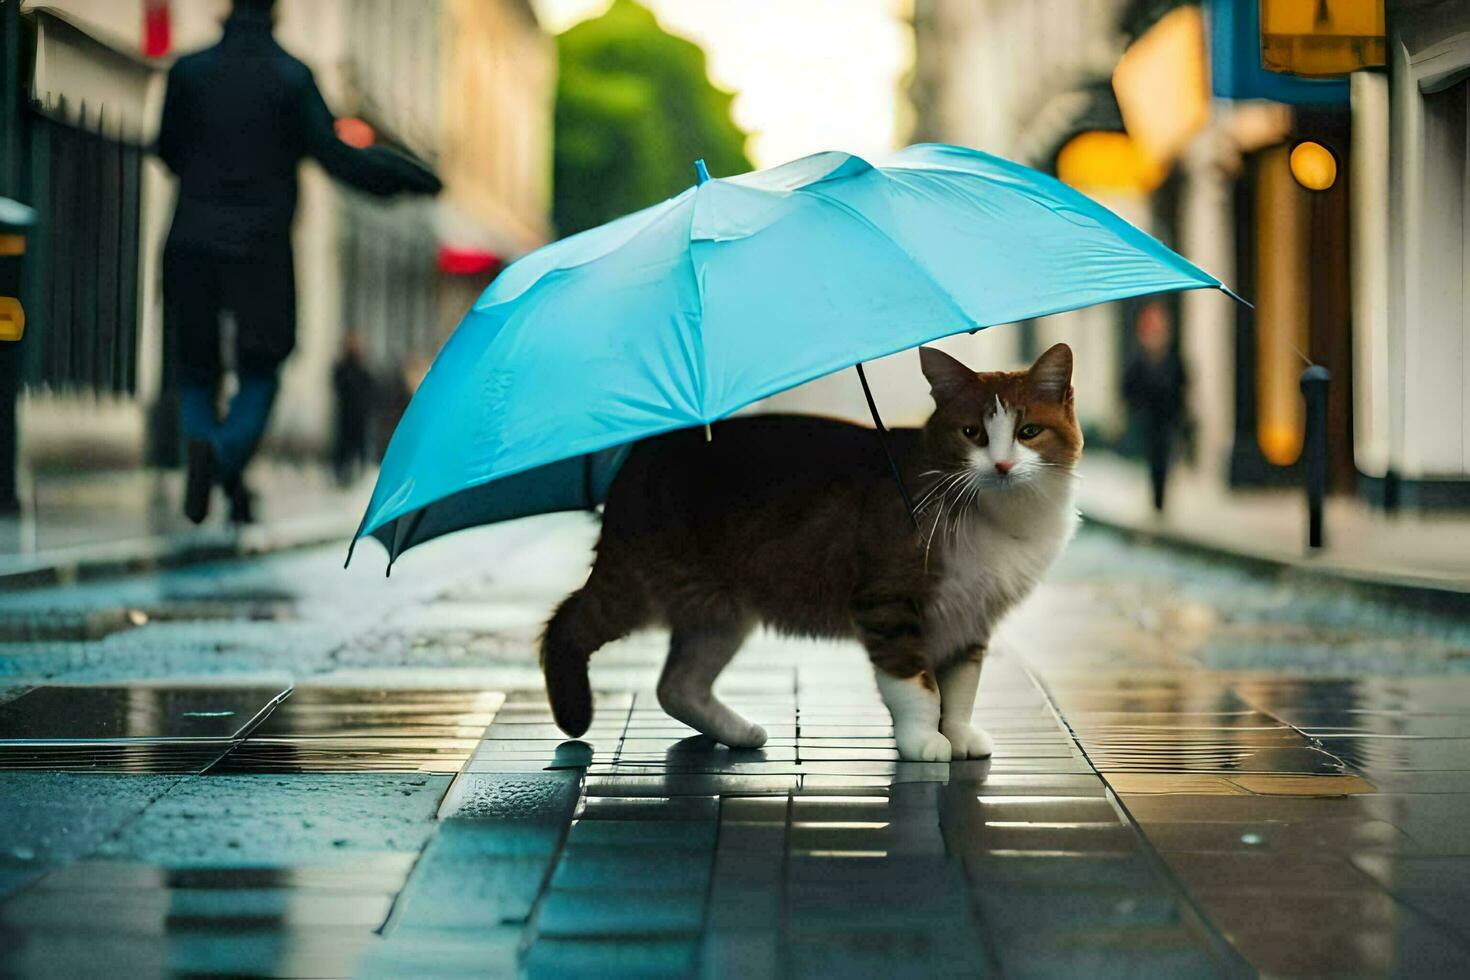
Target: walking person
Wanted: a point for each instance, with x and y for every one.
(1153, 385)
(237, 120)
(355, 389)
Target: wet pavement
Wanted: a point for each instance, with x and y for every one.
(274, 767)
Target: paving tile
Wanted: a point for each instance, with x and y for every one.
(655, 832)
(1176, 783)
(49, 819)
(736, 952)
(1278, 784)
(632, 868)
(1269, 875)
(1043, 784)
(450, 890)
(1063, 869)
(559, 957)
(1353, 932)
(692, 784)
(1104, 953)
(546, 798)
(274, 820)
(112, 714)
(1305, 837)
(433, 953)
(1049, 810)
(1428, 782)
(950, 951)
(1403, 754)
(662, 808)
(1013, 911)
(176, 758)
(586, 913)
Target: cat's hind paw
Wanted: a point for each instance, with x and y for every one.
(922, 745)
(969, 742)
(750, 736)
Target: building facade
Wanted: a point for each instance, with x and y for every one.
(1414, 290)
(1365, 274)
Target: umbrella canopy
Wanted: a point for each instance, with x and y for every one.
(684, 312)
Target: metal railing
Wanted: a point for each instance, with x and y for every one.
(83, 277)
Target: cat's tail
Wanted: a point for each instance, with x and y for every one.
(595, 614)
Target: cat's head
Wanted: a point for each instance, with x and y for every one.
(1002, 428)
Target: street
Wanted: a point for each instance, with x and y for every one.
(274, 766)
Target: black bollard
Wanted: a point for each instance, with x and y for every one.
(1314, 452)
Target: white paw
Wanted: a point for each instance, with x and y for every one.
(921, 745)
(968, 741)
(752, 737)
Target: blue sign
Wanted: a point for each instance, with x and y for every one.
(1235, 62)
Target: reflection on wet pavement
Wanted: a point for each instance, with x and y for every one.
(145, 729)
(1284, 803)
(134, 714)
(1146, 813)
(364, 730)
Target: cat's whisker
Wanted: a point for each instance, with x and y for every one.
(941, 487)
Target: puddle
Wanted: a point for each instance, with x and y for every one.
(367, 730)
(58, 715)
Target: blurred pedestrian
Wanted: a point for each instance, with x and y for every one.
(355, 389)
(237, 119)
(1153, 385)
(395, 391)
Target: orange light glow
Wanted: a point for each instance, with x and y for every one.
(1313, 166)
(1163, 85)
(1108, 162)
(355, 132)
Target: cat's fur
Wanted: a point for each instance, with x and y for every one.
(795, 523)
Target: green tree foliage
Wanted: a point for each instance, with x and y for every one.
(634, 110)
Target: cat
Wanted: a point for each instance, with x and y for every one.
(796, 523)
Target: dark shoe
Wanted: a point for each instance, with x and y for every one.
(242, 505)
(199, 482)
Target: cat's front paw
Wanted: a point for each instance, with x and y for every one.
(968, 742)
(921, 745)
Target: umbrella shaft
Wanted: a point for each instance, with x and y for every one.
(903, 491)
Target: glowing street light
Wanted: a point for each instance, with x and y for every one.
(1313, 166)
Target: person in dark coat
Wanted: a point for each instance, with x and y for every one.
(237, 120)
(356, 391)
(1153, 385)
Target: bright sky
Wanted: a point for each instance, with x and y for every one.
(808, 75)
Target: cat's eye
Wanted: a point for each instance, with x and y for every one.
(971, 431)
(1029, 431)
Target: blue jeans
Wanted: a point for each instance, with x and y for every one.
(235, 438)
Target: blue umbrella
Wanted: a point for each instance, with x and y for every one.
(738, 288)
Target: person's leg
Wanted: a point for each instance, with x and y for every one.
(1158, 460)
(261, 292)
(191, 322)
(236, 438)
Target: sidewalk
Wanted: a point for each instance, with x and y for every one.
(81, 525)
(368, 783)
(1418, 550)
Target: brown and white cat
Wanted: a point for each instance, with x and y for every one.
(795, 523)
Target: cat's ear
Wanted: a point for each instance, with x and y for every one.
(1051, 375)
(947, 376)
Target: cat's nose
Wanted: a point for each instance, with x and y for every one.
(1003, 466)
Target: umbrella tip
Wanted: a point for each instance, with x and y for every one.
(701, 170)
